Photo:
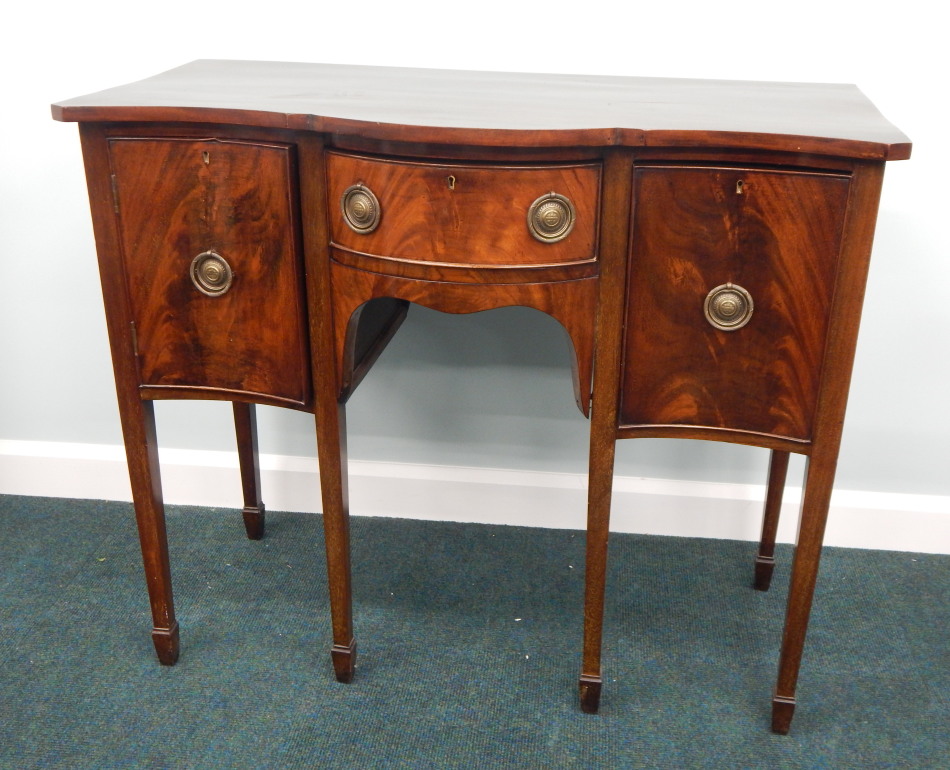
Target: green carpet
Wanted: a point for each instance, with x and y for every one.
(469, 650)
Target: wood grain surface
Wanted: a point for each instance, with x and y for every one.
(572, 303)
(179, 198)
(680, 186)
(505, 108)
(779, 239)
(456, 214)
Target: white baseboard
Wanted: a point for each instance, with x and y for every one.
(901, 522)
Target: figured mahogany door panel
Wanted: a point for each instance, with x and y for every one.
(212, 261)
(458, 214)
(774, 234)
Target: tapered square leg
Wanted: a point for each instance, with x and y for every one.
(138, 425)
(618, 171)
(865, 190)
(136, 414)
(819, 475)
(331, 444)
(245, 428)
(329, 411)
(765, 560)
(595, 577)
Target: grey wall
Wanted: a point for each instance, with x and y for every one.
(490, 389)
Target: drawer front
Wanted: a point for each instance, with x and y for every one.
(469, 215)
(709, 245)
(212, 263)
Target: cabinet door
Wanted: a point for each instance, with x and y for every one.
(212, 260)
(774, 234)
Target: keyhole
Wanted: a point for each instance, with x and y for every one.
(451, 181)
(739, 185)
(206, 157)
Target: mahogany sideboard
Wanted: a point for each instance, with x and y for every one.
(262, 228)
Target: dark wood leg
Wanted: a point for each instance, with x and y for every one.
(137, 416)
(765, 561)
(819, 477)
(329, 412)
(245, 426)
(829, 418)
(331, 447)
(598, 521)
(138, 426)
(603, 430)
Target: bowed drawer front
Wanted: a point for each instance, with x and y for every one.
(210, 248)
(464, 214)
(730, 284)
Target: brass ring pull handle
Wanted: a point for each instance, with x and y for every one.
(360, 209)
(728, 307)
(551, 218)
(211, 274)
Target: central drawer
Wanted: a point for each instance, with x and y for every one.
(464, 214)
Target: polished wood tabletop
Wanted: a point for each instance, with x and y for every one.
(504, 108)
